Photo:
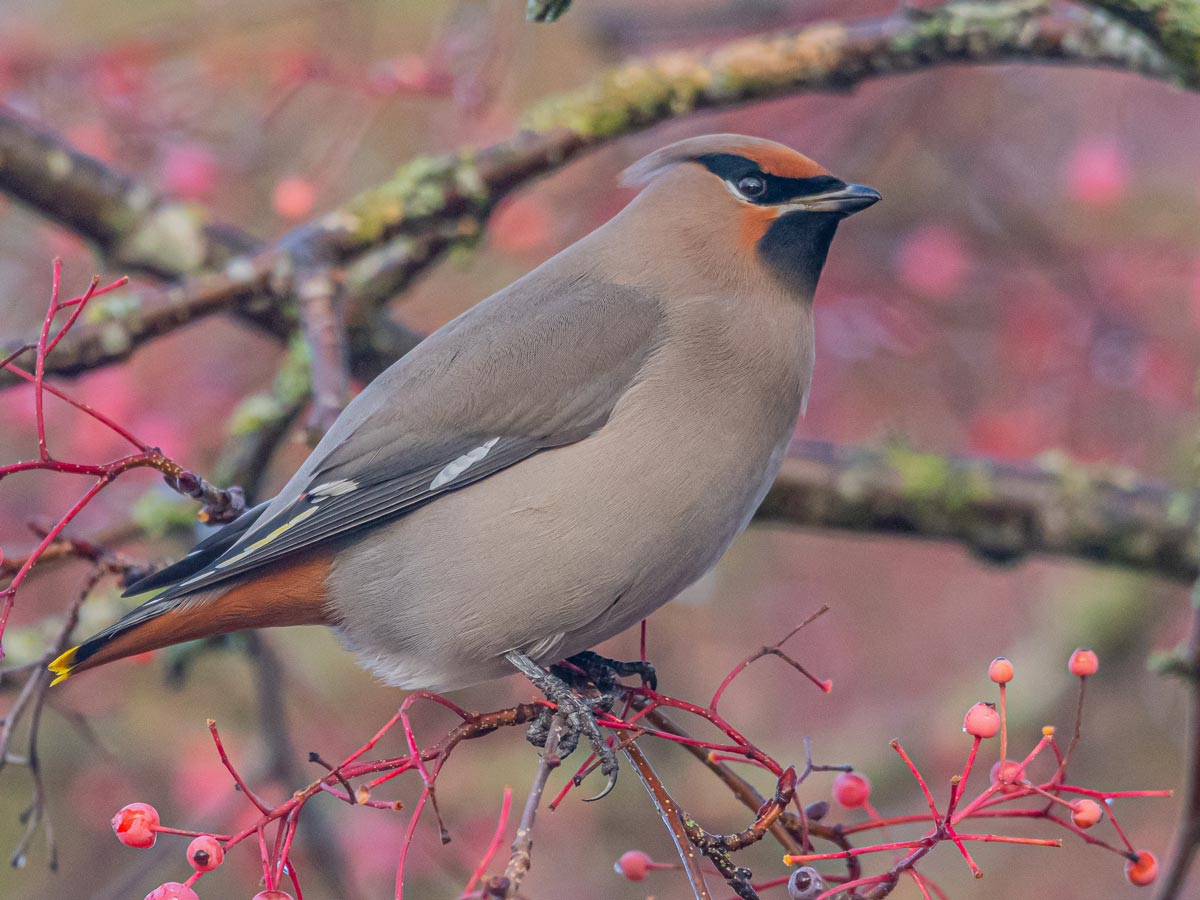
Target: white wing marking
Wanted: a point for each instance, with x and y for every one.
(460, 465)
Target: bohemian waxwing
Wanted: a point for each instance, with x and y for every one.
(554, 464)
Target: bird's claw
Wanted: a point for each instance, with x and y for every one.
(604, 671)
(577, 714)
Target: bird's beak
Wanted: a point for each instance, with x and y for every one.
(847, 200)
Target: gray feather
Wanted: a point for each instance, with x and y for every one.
(526, 376)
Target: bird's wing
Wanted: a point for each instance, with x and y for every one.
(539, 365)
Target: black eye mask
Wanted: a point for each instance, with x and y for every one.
(732, 168)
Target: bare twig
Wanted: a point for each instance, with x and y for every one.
(671, 816)
(522, 848)
(1187, 838)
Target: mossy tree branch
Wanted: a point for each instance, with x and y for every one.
(1173, 25)
(403, 226)
(1002, 512)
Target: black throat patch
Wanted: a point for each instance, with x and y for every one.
(795, 246)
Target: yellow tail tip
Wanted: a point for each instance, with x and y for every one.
(62, 666)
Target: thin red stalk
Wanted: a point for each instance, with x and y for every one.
(1007, 839)
(1112, 795)
(490, 853)
(1117, 825)
(937, 819)
(291, 873)
(163, 829)
(408, 838)
(268, 878)
(1003, 724)
(82, 407)
(920, 881)
(79, 303)
(245, 789)
(10, 592)
(39, 372)
(856, 883)
(281, 859)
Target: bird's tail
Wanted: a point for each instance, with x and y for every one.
(290, 594)
(151, 626)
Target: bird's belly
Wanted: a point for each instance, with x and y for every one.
(538, 559)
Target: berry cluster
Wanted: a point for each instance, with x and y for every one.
(1074, 808)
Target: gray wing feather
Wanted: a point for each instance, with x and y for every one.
(538, 365)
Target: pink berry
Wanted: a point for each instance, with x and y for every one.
(1007, 775)
(851, 790)
(982, 721)
(190, 171)
(172, 890)
(205, 853)
(1143, 870)
(1084, 662)
(135, 825)
(1000, 670)
(272, 895)
(1085, 813)
(634, 865)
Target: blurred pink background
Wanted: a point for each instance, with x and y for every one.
(1031, 283)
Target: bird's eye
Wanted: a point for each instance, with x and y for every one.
(751, 186)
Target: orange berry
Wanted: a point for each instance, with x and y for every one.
(1142, 870)
(135, 825)
(851, 790)
(1083, 662)
(982, 721)
(1007, 775)
(1086, 813)
(1000, 670)
(633, 864)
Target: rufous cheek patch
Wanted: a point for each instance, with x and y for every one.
(754, 224)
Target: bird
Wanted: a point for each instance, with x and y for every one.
(554, 464)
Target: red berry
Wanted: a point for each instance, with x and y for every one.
(1000, 670)
(293, 198)
(1086, 813)
(1143, 870)
(1007, 775)
(205, 853)
(172, 890)
(633, 864)
(135, 824)
(851, 790)
(1083, 663)
(982, 721)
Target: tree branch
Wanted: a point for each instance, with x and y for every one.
(1172, 24)
(135, 228)
(450, 196)
(1000, 511)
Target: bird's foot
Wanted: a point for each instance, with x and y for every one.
(604, 672)
(577, 712)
